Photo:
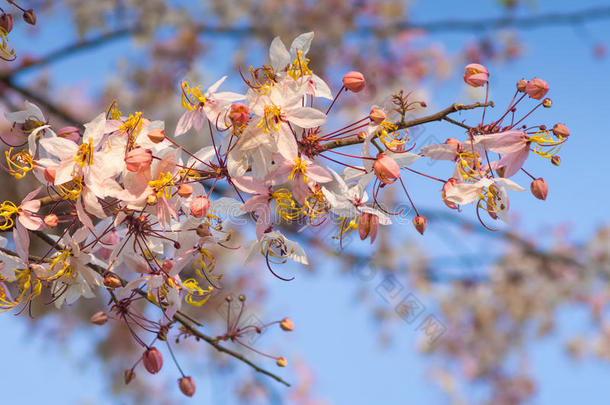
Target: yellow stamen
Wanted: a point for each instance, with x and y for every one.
(84, 154)
(272, 119)
(299, 166)
(7, 209)
(285, 206)
(390, 136)
(133, 125)
(546, 146)
(192, 97)
(299, 66)
(6, 53)
(204, 266)
(276, 248)
(163, 185)
(71, 190)
(59, 265)
(195, 291)
(20, 163)
(468, 166)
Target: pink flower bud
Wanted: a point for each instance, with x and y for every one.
(138, 159)
(377, 115)
(187, 386)
(185, 190)
(49, 173)
(539, 188)
(354, 81)
(521, 85)
(153, 360)
(420, 224)
(547, 103)
(386, 169)
(29, 16)
(156, 135)
(537, 88)
(448, 184)
(71, 133)
(287, 325)
(99, 318)
(368, 226)
(239, 114)
(281, 361)
(561, 131)
(129, 376)
(51, 220)
(6, 22)
(199, 206)
(476, 75)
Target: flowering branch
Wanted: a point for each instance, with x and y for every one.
(179, 316)
(128, 198)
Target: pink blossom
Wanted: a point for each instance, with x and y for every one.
(476, 75)
(536, 88)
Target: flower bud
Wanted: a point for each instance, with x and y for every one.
(420, 224)
(29, 16)
(476, 75)
(239, 114)
(561, 131)
(362, 135)
(281, 361)
(287, 325)
(386, 169)
(185, 190)
(539, 188)
(521, 85)
(547, 103)
(49, 173)
(556, 160)
(368, 226)
(537, 88)
(71, 133)
(129, 376)
(153, 360)
(99, 318)
(187, 386)
(112, 281)
(377, 115)
(199, 206)
(6, 22)
(138, 159)
(51, 220)
(157, 135)
(354, 81)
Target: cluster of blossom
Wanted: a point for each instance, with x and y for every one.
(6, 26)
(132, 213)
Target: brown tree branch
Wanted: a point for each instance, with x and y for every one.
(40, 101)
(441, 115)
(449, 25)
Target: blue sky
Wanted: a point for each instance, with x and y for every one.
(334, 332)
